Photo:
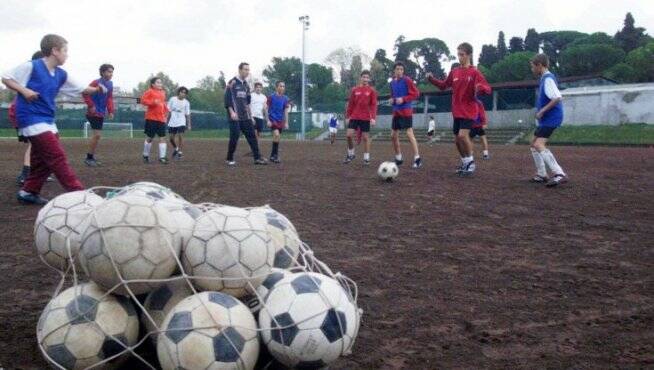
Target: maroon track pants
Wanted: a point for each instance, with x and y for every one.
(48, 156)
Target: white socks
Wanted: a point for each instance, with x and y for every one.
(549, 159)
(539, 162)
(485, 152)
(466, 160)
(350, 152)
(146, 149)
(416, 157)
(398, 157)
(366, 156)
(162, 150)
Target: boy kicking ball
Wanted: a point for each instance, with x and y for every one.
(549, 114)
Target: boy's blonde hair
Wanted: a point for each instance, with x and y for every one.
(52, 41)
(541, 60)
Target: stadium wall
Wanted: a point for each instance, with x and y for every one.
(609, 105)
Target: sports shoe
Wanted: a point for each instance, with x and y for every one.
(30, 198)
(399, 161)
(163, 160)
(417, 163)
(557, 180)
(538, 179)
(366, 162)
(180, 155)
(91, 162)
(230, 163)
(20, 179)
(459, 168)
(275, 160)
(260, 162)
(468, 170)
(349, 158)
(146, 159)
(174, 154)
(486, 156)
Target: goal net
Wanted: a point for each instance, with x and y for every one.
(112, 130)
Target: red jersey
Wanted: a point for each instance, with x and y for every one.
(481, 120)
(362, 104)
(12, 114)
(155, 101)
(466, 83)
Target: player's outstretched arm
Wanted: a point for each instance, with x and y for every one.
(28, 94)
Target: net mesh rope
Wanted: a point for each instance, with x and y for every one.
(304, 261)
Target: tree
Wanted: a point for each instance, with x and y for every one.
(515, 67)
(594, 38)
(516, 45)
(288, 70)
(319, 77)
(379, 75)
(532, 41)
(208, 94)
(169, 85)
(487, 73)
(641, 60)
(555, 42)
(589, 59)
(622, 72)
(630, 37)
(488, 56)
(341, 59)
(422, 56)
(501, 45)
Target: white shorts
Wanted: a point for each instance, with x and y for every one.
(333, 130)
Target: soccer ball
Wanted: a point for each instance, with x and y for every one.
(308, 320)
(206, 207)
(82, 326)
(284, 237)
(156, 192)
(184, 216)
(133, 236)
(388, 171)
(161, 300)
(60, 221)
(254, 301)
(209, 330)
(232, 248)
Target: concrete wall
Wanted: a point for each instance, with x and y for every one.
(609, 105)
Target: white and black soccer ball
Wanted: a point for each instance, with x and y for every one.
(209, 330)
(284, 237)
(138, 236)
(388, 171)
(254, 301)
(232, 248)
(161, 301)
(160, 194)
(82, 326)
(308, 321)
(60, 223)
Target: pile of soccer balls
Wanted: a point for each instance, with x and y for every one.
(213, 286)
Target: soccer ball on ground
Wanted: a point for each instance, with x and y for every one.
(254, 301)
(230, 251)
(161, 300)
(308, 320)
(59, 221)
(388, 171)
(209, 330)
(284, 237)
(76, 328)
(138, 236)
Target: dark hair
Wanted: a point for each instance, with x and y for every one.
(465, 47)
(105, 67)
(365, 72)
(456, 65)
(242, 64)
(182, 88)
(398, 64)
(153, 80)
(541, 59)
(278, 82)
(52, 41)
(37, 55)
(258, 84)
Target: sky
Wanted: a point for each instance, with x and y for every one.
(191, 39)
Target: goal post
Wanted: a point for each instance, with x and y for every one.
(112, 130)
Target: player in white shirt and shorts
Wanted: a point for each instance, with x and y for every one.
(179, 121)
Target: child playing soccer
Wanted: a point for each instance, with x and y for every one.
(258, 106)
(549, 114)
(403, 93)
(360, 114)
(479, 128)
(180, 120)
(278, 107)
(38, 82)
(466, 82)
(100, 105)
(155, 119)
(333, 128)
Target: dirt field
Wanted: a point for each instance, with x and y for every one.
(487, 272)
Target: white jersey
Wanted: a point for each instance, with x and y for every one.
(432, 125)
(257, 103)
(179, 109)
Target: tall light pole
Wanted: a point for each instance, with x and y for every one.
(305, 26)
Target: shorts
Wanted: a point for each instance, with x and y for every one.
(544, 132)
(277, 126)
(176, 130)
(431, 133)
(258, 124)
(21, 138)
(477, 131)
(154, 128)
(333, 130)
(402, 123)
(359, 124)
(462, 124)
(96, 122)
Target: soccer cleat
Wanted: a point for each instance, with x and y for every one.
(349, 158)
(20, 179)
(174, 155)
(399, 161)
(275, 159)
(163, 160)
(459, 169)
(538, 179)
(146, 159)
(91, 162)
(30, 198)
(260, 162)
(180, 155)
(417, 163)
(468, 170)
(230, 163)
(486, 156)
(557, 180)
(366, 162)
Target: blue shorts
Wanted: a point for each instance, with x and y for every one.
(544, 132)
(258, 124)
